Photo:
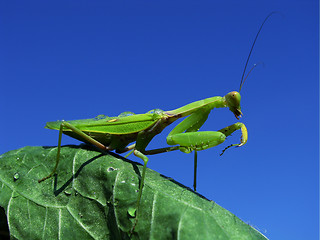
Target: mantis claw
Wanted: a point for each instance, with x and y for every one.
(244, 136)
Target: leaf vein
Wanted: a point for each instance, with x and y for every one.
(81, 224)
(153, 211)
(45, 223)
(8, 209)
(113, 198)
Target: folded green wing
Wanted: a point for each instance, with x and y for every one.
(112, 125)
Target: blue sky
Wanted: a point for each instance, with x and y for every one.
(78, 59)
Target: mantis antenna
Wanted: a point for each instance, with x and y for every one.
(254, 42)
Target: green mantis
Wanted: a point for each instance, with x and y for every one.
(117, 133)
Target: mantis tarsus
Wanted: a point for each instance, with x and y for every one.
(116, 133)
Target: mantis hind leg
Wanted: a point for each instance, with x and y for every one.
(134, 212)
(145, 161)
(81, 134)
(57, 159)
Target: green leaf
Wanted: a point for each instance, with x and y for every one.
(92, 195)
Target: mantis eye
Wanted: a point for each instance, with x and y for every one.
(233, 99)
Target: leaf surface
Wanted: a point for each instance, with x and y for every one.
(91, 195)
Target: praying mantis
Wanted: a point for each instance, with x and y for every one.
(117, 133)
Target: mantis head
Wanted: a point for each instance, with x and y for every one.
(233, 102)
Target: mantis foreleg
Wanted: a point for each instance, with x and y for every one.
(188, 138)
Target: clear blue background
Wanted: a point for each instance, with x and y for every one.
(77, 59)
